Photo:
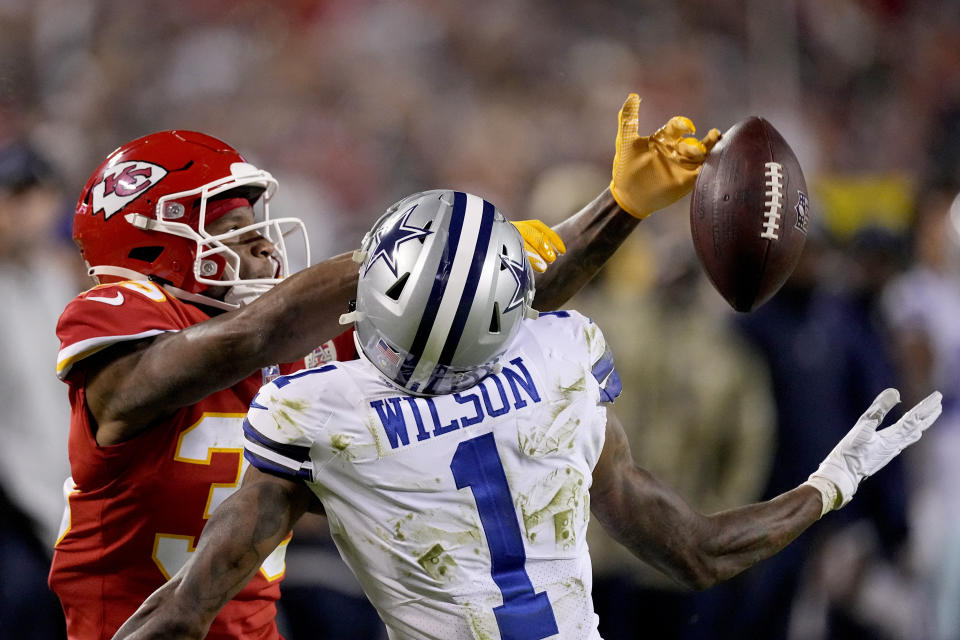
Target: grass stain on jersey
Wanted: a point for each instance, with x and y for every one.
(429, 530)
(340, 441)
(480, 624)
(560, 428)
(578, 386)
(344, 543)
(341, 445)
(563, 531)
(281, 413)
(590, 332)
(567, 597)
(428, 536)
(299, 406)
(285, 417)
(437, 563)
(554, 506)
(385, 542)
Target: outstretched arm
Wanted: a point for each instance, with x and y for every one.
(697, 550)
(591, 236)
(131, 386)
(657, 525)
(242, 532)
(649, 173)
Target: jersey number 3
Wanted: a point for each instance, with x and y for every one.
(213, 433)
(524, 615)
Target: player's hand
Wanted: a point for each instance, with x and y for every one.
(541, 242)
(651, 172)
(864, 450)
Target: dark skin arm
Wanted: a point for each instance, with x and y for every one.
(242, 532)
(133, 386)
(592, 235)
(697, 550)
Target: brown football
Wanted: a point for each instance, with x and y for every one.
(749, 213)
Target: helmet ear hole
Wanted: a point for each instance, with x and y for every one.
(397, 287)
(146, 254)
(495, 318)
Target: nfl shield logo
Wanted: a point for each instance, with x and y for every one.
(322, 354)
(803, 211)
(270, 372)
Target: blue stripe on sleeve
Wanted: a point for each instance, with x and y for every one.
(269, 466)
(612, 388)
(282, 381)
(296, 453)
(605, 373)
(603, 366)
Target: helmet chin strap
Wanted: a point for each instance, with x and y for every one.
(239, 295)
(119, 272)
(198, 298)
(242, 294)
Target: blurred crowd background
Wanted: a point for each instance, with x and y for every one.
(352, 104)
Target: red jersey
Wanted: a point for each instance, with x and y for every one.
(136, 509)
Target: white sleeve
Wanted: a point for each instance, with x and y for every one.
(284, 420)
(602, 366)
(585, 344)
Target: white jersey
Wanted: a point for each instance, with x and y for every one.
(463, 516)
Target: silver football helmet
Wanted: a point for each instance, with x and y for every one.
(444, 284)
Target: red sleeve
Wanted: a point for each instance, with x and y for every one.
(114, 313)
(344, 348)
(340, 348)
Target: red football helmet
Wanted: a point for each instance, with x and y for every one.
(144, 211)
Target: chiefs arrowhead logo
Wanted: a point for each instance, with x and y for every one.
(122, 183)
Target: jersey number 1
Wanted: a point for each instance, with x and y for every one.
(524, 615)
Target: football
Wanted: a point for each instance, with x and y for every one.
(749, 213)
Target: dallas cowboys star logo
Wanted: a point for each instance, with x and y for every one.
(388, 239)
(518, 271)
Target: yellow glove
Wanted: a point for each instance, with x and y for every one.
(541, 242)
(652, 172)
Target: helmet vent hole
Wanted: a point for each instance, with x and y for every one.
(503, 252)
(146, 254)
(423, 238)
(397, 287)
(495, 318)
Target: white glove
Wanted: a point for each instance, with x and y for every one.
(864, 450)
